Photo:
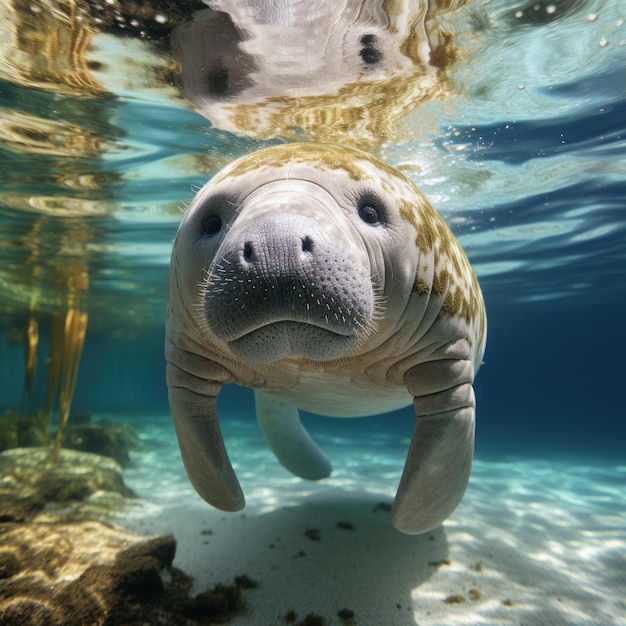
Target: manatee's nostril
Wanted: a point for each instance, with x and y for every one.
(247, 252)
(307, 244)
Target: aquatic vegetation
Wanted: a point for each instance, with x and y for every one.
(67, 335)
(23, 429)
(47, 289)
(31, 340)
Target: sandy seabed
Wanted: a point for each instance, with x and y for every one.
(533, 542)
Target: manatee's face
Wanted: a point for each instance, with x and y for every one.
(296, 259)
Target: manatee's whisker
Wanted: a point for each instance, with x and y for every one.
(380, 301)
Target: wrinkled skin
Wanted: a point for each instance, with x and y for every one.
(323, 279)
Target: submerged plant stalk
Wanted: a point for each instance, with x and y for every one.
(74, 331)
(56, 355)
(31, 341)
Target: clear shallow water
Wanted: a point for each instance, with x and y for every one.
(523, 153)
(535, 540)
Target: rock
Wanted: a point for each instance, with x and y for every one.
(78, 480)
(66, 573)
(61, 573)
(63, 564)
(112, 440)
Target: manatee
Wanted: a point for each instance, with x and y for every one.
(323, 279)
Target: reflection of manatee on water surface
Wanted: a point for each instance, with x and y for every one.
(331, 72)
(321, 278)
(306, 70)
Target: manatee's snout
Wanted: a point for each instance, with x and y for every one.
(276, 249)
(287, 280)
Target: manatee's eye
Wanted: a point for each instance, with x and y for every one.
(369, 53)
(370, 213)
(211, 225)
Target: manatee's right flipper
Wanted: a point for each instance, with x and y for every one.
(440, 456)
(291, 443)
(193, 403)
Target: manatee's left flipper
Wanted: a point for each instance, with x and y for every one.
(440, 456)
(286, 436)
